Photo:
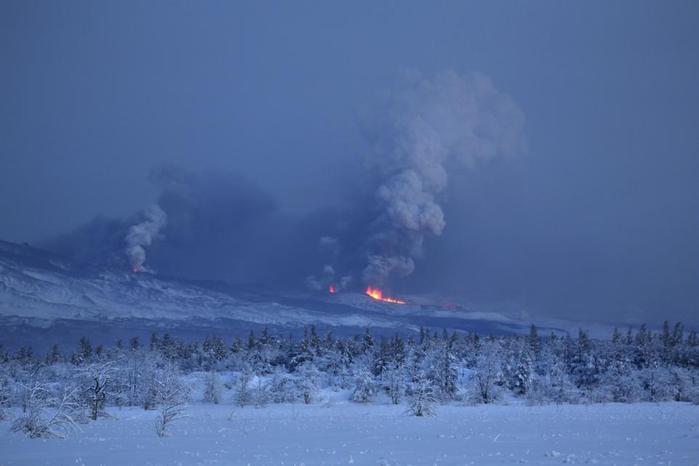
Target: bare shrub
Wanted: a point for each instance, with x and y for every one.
(171, 395)
(47, 416)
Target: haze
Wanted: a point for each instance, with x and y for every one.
(593, 214)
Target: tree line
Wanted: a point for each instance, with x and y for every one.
(52, 394)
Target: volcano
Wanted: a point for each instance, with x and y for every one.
(46, 298)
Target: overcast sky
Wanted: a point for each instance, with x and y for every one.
(599, 216)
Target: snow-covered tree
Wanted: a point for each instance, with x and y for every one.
(583, 366)
(145, 385)
(553, 384)
(47, 416)
(619, 383)
(534, 341)
(95, 380)
(4, 396)
(282, 387)
(519, 369)
(445, 373)
(54, 355)
(308, 381)
(634, 365)
(243, 393)
(260, 392)
(394, 381)
(212, 387)
(171, 395)
(484, 386)
(422, 396)
(84, 352)
(364, 387)
(657, 384)
(213, 351)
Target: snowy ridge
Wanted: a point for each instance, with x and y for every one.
(50, 294)
(39, 289)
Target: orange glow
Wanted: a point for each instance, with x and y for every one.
(377, 294)
(332, 289)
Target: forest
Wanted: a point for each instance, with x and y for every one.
(49, 396)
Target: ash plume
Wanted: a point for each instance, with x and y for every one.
(220, 225)
(224, 226)
(422, 129)
(141, 235)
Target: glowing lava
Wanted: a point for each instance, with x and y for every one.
(377, 294)
(332, 289)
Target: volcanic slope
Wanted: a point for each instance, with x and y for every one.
(43, 295)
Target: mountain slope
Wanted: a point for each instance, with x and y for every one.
(42, 294)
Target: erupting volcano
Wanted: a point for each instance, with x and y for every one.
(332, 289)
(377, 294)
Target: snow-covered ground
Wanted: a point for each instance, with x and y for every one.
(348, 433)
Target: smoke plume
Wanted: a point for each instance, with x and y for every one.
(329, 249)
(141, 235)
(223, 226)
(419, 131)
(203, 225)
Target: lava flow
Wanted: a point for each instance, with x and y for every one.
(377, 294)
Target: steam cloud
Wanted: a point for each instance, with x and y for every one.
(329, 247)
(141, 235)
(420, 130)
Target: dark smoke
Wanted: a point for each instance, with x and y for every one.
(99, 242)
(219, 225)
(206, 225)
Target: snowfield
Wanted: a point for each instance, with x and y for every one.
(338, 432)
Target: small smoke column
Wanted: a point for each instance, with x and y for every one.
(421, 129)
(141, 235)
(328, 280)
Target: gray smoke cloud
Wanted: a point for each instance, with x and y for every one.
(142, 235)
(203, 225)
(223, 226)
(420, 130)
(329, 248)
